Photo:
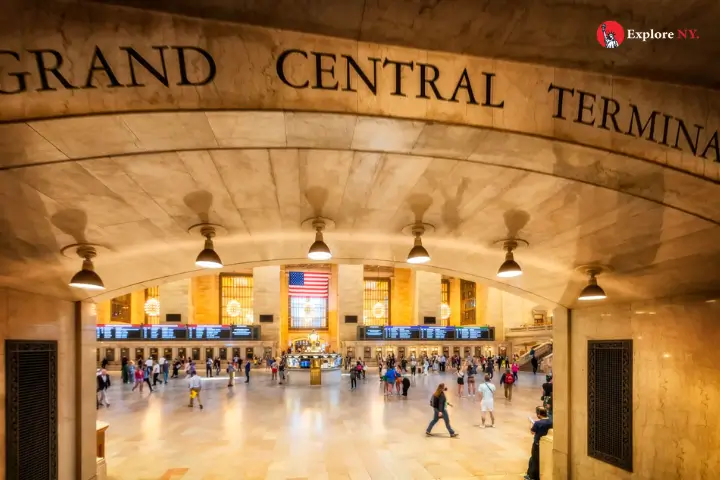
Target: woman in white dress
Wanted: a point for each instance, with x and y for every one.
(487, 390)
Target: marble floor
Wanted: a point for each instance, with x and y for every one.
(269, 431)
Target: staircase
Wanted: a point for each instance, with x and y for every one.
(541, 350)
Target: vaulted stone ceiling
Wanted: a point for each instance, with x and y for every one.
(553, 33)
(134, 183)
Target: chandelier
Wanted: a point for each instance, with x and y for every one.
(378, 310)
(152, 307)
(445, 311)
(233, 308)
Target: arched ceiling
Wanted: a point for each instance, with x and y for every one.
(135, 182)
(560, 34)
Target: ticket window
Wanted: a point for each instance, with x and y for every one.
(423, 352)
(502, 351)
(467, 352)
(139, 353)
(378, 352)
(236, 353)
(167, 354)
(196, 354)
(413, 352)
(209, 353)
(434, 351)
(456, 351)
(154, 354)
(223, 353)
(478, 351)
(182, 353)
(110, 354)
(125, 353)
(267, 352)
(446, 351)
(368, 352)
(97, 352)
(401, 352)
(249, 353)
(351, 352)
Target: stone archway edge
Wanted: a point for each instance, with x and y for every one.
(85, 138)
(71, 66)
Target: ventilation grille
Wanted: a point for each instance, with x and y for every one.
(31, 423)
(610, 402)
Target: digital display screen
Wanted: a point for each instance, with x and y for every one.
(119, 332)
(402, 333)
(164, 332)
(438, 333)
(472, 333)
(208, 332)
(242, 332)
(374, 333)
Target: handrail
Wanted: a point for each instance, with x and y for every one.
(540, 349)
(526, 328)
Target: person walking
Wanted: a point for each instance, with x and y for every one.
(413, 366)
(103, 383)
(489, 368)
(124, 370)
(534, 363)
(439, 404)
(515, 369)
(281, 368)
(209, 367)
(155, 373)
(460, 382)
(139, 378)
(539, 428)
(231, 374)
(195, 386)
(487, 403)
(405, 386)
(508, 380)
(353, 378)
(165, 370)
(146, 378)
(217, 366)
(471, 372)
(247, 371)
(274, 369)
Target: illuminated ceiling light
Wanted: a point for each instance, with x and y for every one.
(208, 258)
(418, 254)
(86, 278)
(445, 311)
(152, 307)
(233, 308)
(592, 290)
(319, 249)
(510, 268)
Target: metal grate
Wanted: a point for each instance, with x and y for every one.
(376, 301)
(236, 299)
(468, 302)
(610, 402)
(31, 410)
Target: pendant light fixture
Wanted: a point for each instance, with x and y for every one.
(207, 258)
(319, 249)
(592, 290)
(510, 268)
(418, 254)
(86, 278)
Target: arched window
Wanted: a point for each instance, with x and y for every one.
(376, 301)
(236, 299)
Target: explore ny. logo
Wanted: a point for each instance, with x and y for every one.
(611, 34)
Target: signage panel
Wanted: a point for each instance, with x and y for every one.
(374, 333)
(164, 332)
(402, 333)
(208, 332)
(438, 333)
(472, 333)
(243, 332)
(119, 332)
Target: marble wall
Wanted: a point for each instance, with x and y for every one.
(676, 387)
(350, 299)
(266, 299)
(427, 296)
(205, 295)
(25, 316)
(175, 298)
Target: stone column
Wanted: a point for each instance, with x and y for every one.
(350, 300)
(455, 302)
(205, 299)
(401, 305)
(333, 318)
(494, 313)
(137, 308)
(266, 301)
(427, 296)
(561, 392)
(175, 298)
(85, 388)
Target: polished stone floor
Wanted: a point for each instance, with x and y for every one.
(269, 431)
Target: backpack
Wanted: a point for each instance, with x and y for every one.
(509, 378)
(473, 369)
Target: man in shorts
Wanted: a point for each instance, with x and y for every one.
(487, 391)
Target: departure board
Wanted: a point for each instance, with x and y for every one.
(208, 332)
(472, 333)
(164, 332)
(402, 333)
(437, 333)
(374, 333)
(243, 332)
(119, 332)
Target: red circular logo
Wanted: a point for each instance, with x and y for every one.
(610, 34)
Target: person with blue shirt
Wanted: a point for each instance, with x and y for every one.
(539, 428)
(390, 380)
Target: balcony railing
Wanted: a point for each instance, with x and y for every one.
(529, 330)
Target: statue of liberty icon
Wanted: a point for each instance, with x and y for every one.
(610, 41)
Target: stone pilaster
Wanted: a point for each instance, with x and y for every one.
(427, 296)
(175, 298)
(266, 301)
(350, 299)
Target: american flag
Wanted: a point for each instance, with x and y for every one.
(309, 284)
